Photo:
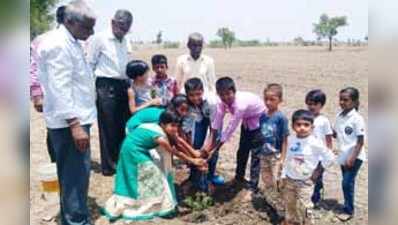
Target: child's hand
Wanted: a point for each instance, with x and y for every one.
(317, 172)
(198, 162)
(204, 168)
(279, 167)
(156, 101)
(204, 154)
(350, 161)
(197, 154)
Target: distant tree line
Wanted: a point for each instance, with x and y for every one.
(325, 29)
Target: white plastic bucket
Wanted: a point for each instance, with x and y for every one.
(48, 177)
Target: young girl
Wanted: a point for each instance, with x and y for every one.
(164, 85)
(350, 132)
(144, 189)
(179, 106)
(140, 92)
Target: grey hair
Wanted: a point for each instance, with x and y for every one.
(123, 15)
(78, 11)
(195, 37)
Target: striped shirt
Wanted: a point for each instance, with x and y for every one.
(107, 56)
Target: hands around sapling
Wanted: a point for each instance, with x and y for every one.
(156, 101)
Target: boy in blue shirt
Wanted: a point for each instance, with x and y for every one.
(275, 130)
(195, 127)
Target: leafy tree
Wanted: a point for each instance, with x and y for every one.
(159, 38)
(40, 16)
(227, 36)
(10, 17)
(327, 27)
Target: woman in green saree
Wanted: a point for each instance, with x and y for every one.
(144, 186)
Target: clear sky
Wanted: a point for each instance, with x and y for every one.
(280, 20)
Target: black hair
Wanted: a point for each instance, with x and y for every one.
(169, 117)
(354, 95)
(136, 68)
(123, 15)
(316, 96)
(177, 101)
(159, 59)
(60, 14)
(303, 114)
(225, 84)
(275, 88)
(193, 84)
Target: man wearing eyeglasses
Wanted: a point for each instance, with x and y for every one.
(107, 55)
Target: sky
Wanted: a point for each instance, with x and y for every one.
(281, 20)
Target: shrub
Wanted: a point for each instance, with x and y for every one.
(215, 44)
(170, 44)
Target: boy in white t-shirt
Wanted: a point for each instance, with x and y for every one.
(315, 100)
(304, 152)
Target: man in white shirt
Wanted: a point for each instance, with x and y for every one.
(107, 54)
(196, 64)
(36, 93)
(69, 107)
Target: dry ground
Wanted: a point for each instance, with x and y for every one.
(298, 69)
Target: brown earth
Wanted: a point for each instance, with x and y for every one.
(298, 69)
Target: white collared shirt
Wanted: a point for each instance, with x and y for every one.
(348, 127)
(107, 56)
(303, 156)
(67, 80)
(202, 68)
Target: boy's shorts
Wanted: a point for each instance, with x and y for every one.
(298, 205)
(270, 170)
